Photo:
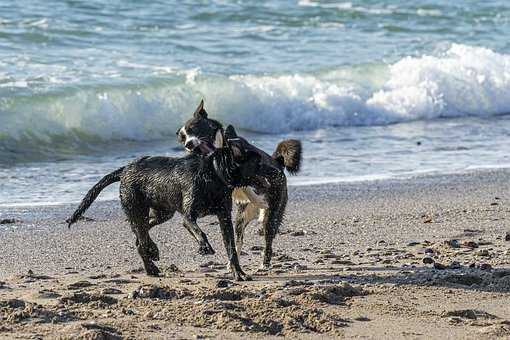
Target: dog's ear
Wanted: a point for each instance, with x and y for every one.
(200, 111)
(218, 139)
(230, 132)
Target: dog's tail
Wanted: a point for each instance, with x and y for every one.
(288, 153)
(93, 193)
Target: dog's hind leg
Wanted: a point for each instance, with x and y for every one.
(138, 216)
(153, 249)
(246, 212)
(145, 247)
(205, 247)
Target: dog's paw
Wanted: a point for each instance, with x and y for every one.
(206, 250)
(265, 266)
(241, 276)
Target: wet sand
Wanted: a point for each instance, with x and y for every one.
(349, 262)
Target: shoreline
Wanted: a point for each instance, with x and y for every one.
(363, 181)
(348, 255)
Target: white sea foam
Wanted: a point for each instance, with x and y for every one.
(462, 81)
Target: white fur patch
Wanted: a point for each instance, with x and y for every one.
(218, 140)
(262, 215)
(189, 139)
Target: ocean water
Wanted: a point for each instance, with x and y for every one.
(373, 89)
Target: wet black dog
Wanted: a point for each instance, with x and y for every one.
(265, 200)
(195, 186)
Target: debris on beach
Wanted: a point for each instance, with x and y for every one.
(472, 314)
(9, 221)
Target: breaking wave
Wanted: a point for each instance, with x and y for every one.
(461, 81)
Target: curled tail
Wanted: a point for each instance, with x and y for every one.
(288, 153)
(93, 193)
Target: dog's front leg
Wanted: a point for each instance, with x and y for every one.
(205, 247)
(227, 231)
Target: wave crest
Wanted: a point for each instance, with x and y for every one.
(462, 81)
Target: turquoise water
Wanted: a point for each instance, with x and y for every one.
(86, 85)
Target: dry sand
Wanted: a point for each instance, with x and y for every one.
(349, 262)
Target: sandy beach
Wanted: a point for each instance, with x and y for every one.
(349, 263)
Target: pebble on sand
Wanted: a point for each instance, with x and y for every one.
(8, 221)
(428, 260)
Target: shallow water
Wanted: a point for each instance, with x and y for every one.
(87, 85)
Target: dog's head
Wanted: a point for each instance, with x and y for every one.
(235, 163)
(243, 155)
(200, 130)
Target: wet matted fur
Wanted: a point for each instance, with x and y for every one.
(195, 186)
(267, 201)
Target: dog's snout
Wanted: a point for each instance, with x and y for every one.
(181, 136)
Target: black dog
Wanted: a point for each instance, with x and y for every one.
(195, 186)
(268, 199)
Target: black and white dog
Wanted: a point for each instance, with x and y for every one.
(267, 201)
(152, 189)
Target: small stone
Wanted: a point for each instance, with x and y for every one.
(299, 267)
(455, 265)
(172, 268)
(464, 279)
(342, 262)
(362, 318)
(483, 252)
(439, 266)
(110, 290)
(79, 284)
(452, 243)
(507, 236)
(47, 294)
(485, 266)
(472, 231)
(454, 320)
(494, 203)
(413, 243)
(224, 283)
(470, 244)
(428, 260)
(8, 221)
(471, 314)
(298, 233)
(257, 248)
(428, 251)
